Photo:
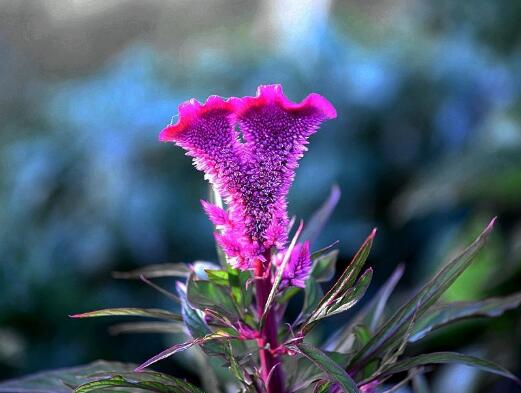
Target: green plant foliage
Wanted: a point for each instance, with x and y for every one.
(59, 381)
(131, 312)
(149, 382)
(221, 322)
(332, 371)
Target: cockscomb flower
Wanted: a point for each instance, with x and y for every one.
(249, 149)
(298, 268)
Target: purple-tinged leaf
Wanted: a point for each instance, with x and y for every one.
(183, 347)
(443, 358)
(58, 381)
(390, 334)
(342, 285)
(367, 316)
(444, 314)
(332, 370)
(351, 296)
(131, 312)
(152, 382)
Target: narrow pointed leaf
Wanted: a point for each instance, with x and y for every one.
(445, 314)
(353, 295)
(147, 327)
(161, 290)
(155, 271)
(447, 357)
(332, 370)
(131, 312)
(367, 316)
(344, 283)
(147, 381)
(182, 347)
(58, 381)
(390, 334)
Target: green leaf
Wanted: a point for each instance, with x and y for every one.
(322, 387)
(147, 327)
(155, 271)
(220, 335)
(203, 294)
(444, 314)
(131, 312)
(236, 281)
(370, 315)
(58, 381)
(196, 325)
(219, 277)
(241, 292)
(342, 295)
(342, 303)
(324, 266)
(318, 220)
(146, 381)
(351, 296)
(446, 357)
(390, 334)
(300, 371)
(332, 370)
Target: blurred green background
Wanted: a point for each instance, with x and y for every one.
(427, 147)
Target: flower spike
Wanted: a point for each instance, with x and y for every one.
(253, 176)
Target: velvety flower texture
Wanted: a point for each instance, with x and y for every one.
(298, 268)
(248, 149)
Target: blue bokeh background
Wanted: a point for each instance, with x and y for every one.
(426, 147)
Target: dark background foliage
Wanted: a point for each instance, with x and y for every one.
(426, 147)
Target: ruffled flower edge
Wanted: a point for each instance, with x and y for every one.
(190, 111)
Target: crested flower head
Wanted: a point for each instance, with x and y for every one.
(249, 149)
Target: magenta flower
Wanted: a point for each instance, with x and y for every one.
(253, 173)
(298, 268)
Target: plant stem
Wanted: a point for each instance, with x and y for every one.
(271, 365)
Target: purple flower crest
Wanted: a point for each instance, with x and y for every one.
(249, 148)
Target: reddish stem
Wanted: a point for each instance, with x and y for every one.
(271, 365)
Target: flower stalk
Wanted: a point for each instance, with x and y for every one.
(271, 368)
